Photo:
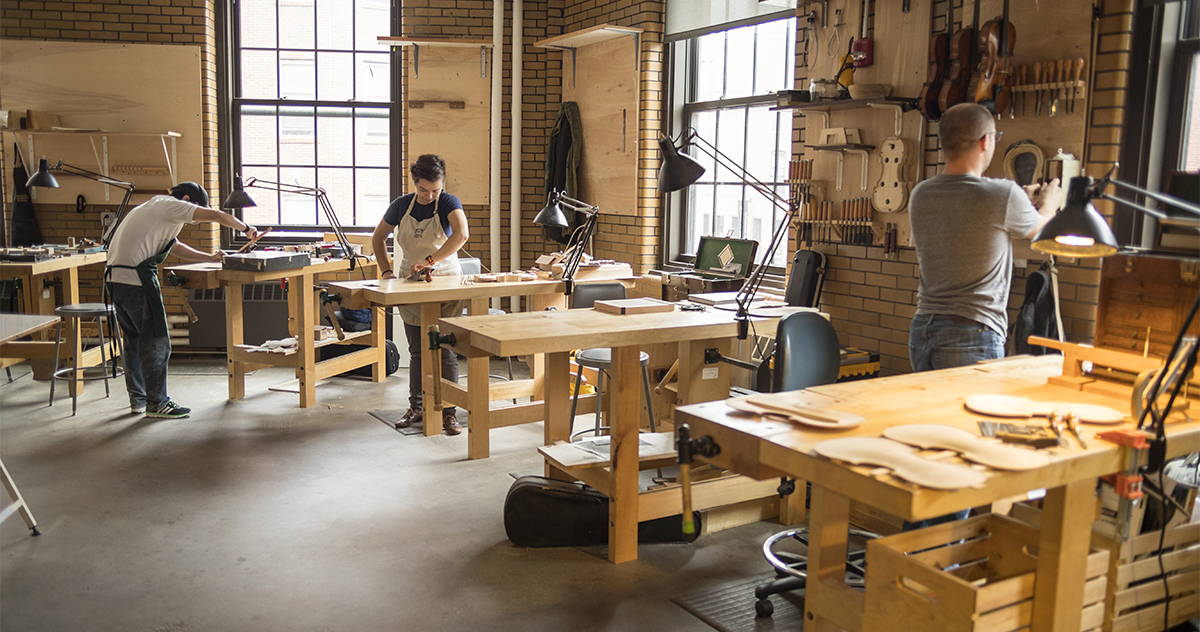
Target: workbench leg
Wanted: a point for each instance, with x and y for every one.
(432, 424)
(826, 590)
(557, 397)
(623, 503)
(479, 410)
(234, 336)
(378, 327)
(700, 382)
(1062, 556)
(39, 299)
(306, 364)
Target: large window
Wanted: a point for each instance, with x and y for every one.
(727, 91)
(311, 99)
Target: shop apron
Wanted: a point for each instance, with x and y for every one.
(147, 272)
(417, 240)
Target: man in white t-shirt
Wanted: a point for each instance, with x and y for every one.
(143, 239)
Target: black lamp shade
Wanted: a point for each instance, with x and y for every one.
(239, 198)
(42, 177)
(552, 215)
(1079, 230)
(677, 170)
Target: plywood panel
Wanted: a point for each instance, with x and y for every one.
(606, 92)
(119, 87)
(460, 136)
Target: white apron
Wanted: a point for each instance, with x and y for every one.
(417, 240)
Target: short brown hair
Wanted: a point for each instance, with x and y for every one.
(963, 125)
(428, 167)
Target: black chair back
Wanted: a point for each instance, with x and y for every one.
(805, 281)
(807, 352)
(586, 294)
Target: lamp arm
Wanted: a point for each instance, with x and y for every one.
(322, 200)
(92, 175)
(573, 261)
(1187, 206)
(697, 141)
(577, 205)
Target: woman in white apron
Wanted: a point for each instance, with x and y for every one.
(430, 227)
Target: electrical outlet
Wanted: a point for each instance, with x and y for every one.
(107, 219)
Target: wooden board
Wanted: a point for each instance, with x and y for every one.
(634, 306)
(606, 92)
(460, 136)
(119, 87)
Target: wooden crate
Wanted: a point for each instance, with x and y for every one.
(972, 575)
(1135, 584)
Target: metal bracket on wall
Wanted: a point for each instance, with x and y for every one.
(454, 105)
(895, 107)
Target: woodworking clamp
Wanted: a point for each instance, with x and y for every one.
(1127, 482)
(177, 282)
(327, 301)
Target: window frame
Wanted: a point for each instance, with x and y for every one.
(1149, 155)
(683, 70)
(229, 115)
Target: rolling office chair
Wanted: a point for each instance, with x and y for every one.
(807, 354)
(585, 295)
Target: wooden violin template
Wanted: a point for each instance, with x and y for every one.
(891, 192)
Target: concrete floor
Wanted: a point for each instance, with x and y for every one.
(259, 515)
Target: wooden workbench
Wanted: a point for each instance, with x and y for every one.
(302, 310)
(556, 334)
(767, 449)
(38, 299)
(430, 296)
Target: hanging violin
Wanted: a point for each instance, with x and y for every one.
(939, 62)
(962, 64)
(997, 39)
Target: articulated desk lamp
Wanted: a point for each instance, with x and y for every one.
(239, 199)
(680, 170)
(1080, 231)
(44, 178)
(552, 215)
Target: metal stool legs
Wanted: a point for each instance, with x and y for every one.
(104, 315)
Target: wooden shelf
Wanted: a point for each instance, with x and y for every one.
(401, 42)
(830, 105)
(592, 35)
(91, 132)
(848, 147)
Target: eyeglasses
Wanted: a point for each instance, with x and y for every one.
(998, 135)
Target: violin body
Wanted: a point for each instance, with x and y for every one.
(958, 79)
(939, 52)
(995, 86)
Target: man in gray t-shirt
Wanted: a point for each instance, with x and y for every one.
(962, 224)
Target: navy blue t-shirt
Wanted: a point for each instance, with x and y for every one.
(446, 204)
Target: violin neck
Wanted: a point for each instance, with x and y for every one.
(1004, 26)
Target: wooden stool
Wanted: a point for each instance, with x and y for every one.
(102, 313)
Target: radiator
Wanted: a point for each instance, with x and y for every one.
(264, 315)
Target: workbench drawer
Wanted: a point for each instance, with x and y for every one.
(969, 575)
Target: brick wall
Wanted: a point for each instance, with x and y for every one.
(872, 299)
(165, 22)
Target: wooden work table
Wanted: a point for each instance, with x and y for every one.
(430, 296)
(37, 298)
(556, 334)
(302, 310)
(766, 449)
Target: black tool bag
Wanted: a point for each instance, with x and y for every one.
(391, 352)
(541, 512)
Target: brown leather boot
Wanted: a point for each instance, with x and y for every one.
(410, 417)
(450, 424)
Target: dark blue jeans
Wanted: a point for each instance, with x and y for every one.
(943, 344)
(146, 355)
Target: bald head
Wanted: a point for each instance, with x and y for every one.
(962, 126)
